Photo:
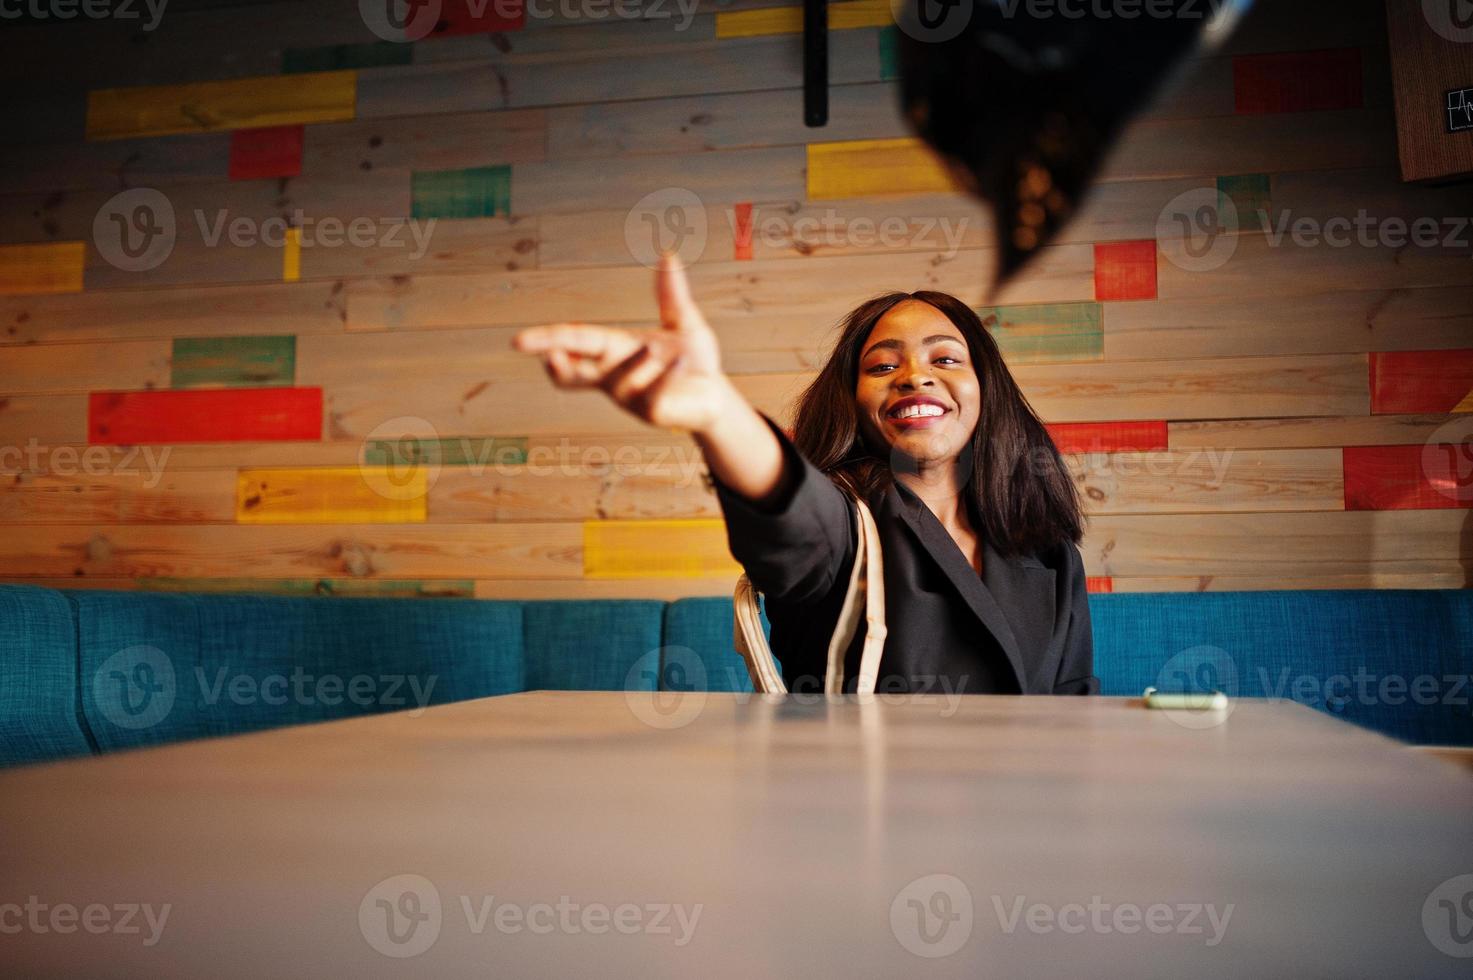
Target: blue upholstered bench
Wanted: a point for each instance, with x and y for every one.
(87, 671)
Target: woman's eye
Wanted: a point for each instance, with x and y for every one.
(947, 357)
(879, 367)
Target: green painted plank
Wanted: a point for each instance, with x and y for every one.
(1046, 332)
(336, 57)
(233, 362)
(476, 192)
(1252, 195)
(479, 451)
(308, 587)
(889, 53)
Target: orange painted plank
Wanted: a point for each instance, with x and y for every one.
(1298, 81)
(272, 151)
(1108, 437)
(1125, 270)
(1099, 583)
(1420, 381)
(1430, 477)
(204, 415)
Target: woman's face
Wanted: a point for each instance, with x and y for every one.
(918, 392)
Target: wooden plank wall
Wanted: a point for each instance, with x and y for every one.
(207, 384)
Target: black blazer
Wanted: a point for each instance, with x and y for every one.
(1022, 627)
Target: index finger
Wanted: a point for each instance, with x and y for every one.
(582, 339)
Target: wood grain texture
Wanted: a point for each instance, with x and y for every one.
(226, 415)
(42, 268)
(331, 495)
(1420, 381)
(122, 113)
(233, 362)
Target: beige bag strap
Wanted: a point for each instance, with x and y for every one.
(866, 585)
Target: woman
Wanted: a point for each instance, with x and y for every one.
(915, 410)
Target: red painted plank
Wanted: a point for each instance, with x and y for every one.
(742, 231)
(1420, 380)
(1125, 270)
(275, 151)
(1298, 81)
(1108, 437)
(1099, 583)
(479, 17)
(204, 415)
(1431, 477)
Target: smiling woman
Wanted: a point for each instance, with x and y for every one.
(915, 413)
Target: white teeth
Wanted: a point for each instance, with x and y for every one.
(919, 411)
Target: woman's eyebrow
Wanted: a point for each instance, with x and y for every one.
(935, 338)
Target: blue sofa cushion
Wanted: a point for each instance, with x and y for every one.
(699, 652)
(592, 644)
(156, 668)
(39, 707)
(1397, 661)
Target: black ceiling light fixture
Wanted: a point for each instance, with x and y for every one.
(1023, 98)
(815, 62)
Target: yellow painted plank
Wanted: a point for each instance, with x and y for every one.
(859, 168)
(332, 495)
(51, 267)
(657, 549)
(240, 103)
(1466, 405)
(845, 15)
(291, 256)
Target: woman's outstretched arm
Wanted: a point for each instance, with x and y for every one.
(787, 524)
(672, 378)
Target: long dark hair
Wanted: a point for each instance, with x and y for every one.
(1020, 494)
